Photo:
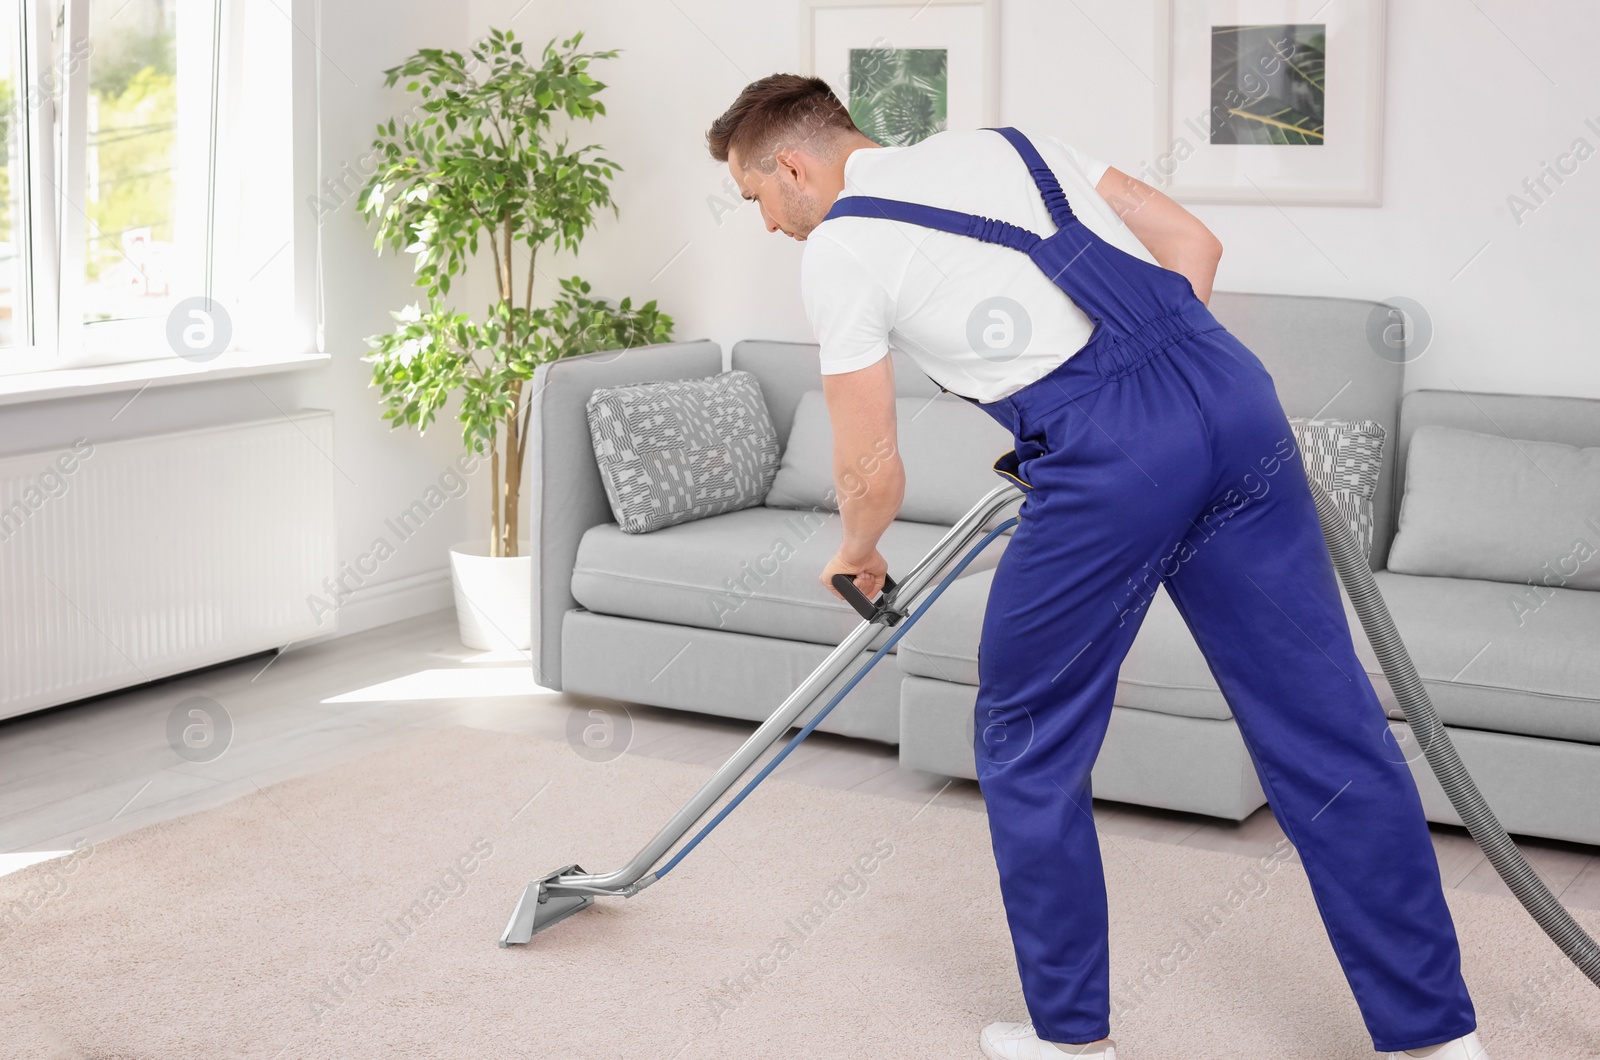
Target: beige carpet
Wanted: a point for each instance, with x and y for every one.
(355, 914)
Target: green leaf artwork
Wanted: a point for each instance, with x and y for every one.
(899, 95)
(1268, 84)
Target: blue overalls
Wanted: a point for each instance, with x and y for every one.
(1159, 454)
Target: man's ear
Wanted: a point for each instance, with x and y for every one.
(795, 161)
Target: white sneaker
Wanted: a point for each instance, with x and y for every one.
(1017, 1041)
(1468, 1048)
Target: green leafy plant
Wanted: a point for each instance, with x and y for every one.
(472, 166)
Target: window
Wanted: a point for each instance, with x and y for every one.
(140, 220)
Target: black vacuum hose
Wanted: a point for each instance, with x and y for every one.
(1508, 861)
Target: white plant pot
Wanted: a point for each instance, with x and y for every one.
(493, 596)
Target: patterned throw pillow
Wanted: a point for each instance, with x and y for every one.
(682, 449)
(1345, 457)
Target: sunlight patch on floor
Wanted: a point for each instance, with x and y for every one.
(10, 863)
(509, 656)
(474, 683)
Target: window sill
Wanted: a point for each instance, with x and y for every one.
(136, 375)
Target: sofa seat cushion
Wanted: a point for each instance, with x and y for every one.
(749, 571)
(943, 644)
(1487, 661)
(1504, 658)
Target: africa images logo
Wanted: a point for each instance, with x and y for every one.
(999, 329)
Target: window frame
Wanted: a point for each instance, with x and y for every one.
(34, 298)
(53, 222)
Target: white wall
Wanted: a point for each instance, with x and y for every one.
(1478, 98)
(382, 470)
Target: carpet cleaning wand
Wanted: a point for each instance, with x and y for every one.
(568, 890)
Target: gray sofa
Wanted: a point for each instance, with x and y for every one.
(725, 615)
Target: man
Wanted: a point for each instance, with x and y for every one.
(996, 261)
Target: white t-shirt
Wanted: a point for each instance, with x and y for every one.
(979, 318)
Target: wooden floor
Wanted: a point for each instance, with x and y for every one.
(91, 770)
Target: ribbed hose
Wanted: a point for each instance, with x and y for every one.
(1503, 854)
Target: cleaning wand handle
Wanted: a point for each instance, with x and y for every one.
(845, 585)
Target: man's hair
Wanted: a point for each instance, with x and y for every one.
(779, 111)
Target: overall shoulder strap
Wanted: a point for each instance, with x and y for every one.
(988, 229)
(1055, 200)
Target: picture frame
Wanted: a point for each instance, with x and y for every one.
(915, 67)
(1269, 102)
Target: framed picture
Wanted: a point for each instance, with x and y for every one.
(1269, 101)
(907, 70)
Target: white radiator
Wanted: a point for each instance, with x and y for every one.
(128, 561)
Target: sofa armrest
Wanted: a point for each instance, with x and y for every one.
(565, 494)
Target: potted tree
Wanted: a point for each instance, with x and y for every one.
(471, 171)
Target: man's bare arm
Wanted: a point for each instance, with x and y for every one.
(1175, 237)
(867, 471)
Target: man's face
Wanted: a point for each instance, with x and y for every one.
(784, 195)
